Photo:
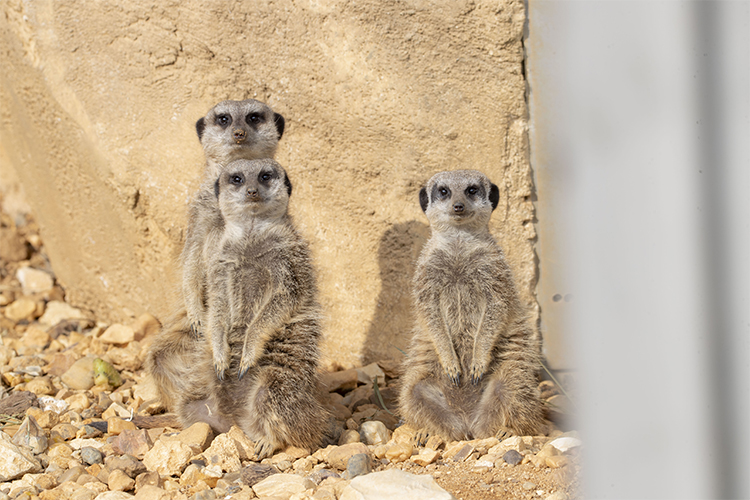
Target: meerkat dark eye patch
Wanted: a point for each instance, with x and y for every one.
(474, 191)
(440, 193)
(236, 179)
(255, 118)
(494, 196)
(223, 120)
(266, 176)
(279, 121)
(423, 200)
(200, 125)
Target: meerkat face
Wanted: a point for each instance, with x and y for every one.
(240, 130)
(459, 198)
(251, 189)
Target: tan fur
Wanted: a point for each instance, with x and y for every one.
(471, 368)
(252, 131)
(262, 333)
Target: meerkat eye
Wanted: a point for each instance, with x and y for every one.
(443, 191)
(236, 179)
(472, 190)
(224, 120)
(254, 118)
(264, 176)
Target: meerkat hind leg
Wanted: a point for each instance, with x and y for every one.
(436, 414)
(506, 409)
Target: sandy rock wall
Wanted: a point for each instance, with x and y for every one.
(98, 102)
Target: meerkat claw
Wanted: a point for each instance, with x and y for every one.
(219, 373)
(242, 372)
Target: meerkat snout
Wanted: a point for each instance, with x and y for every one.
(239, 135)
(458, 208)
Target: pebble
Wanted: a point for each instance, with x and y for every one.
(404, 434)
(339, 456)
(557, 461)
(366, 374)
(116, 425)
(373, 432)
(425, 457)
(565, 443)
(223, 452)
(16, 462)
(145, 326)
(282, 485)
(512, 457)
(31, 435)
(41, 386)
(119, 481)
(394, 483)
(349, 436)
(345, 380)
(113, 495)
(118, 334)
(528, 486)
(558, 495)
(134, 442)
(399, 452)
(255, 473)
(358, 465)
(91, 455)
(58, 311)
(80, 376)
(63, 432)
(13, 247)
(36, 337)
(34, 281)
(20, 309)
(463, 453)
(168, 458)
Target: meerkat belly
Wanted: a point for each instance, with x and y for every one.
(463, 306)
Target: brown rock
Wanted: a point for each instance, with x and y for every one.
(254, 473)
(556, 461)
(126, 358)
(399, 452)
(34, 280)
(223, 452)
(150, 492)
(13, 247)
(31, 435)
(340, 381)
(17, 403)
(34, 336)
(46, 419)
(349, 436)
(20, 309)
(119, 481)
(147, 479)
(60, 362)
(425, 457)
(41, 386)
(404, 434)
(198, 437)
(133, 442)
(168, 458)
(145, 326)
(63, 432)
(339, 456)
(118, 334)
(116, 425)
(80, 376)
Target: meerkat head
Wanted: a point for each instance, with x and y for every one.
(253, 189)
(460, 198)
(234, 130)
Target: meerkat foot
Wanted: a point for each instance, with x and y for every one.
(264, 448)
(504, 433)
(477, 372)
(422, 436)
(195, 329)
(220, 366)
(245, 365)
(454, 373)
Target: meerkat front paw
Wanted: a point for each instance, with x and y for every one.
(422, 436)
(221, 363)
(264, 448)
(195, 329)
(504, 433)
(453, 370)
(477, 371)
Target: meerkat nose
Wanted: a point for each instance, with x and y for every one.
(239, 135)
(458, 208)
(252, 194)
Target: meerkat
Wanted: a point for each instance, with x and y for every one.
(262, 321)
(471, 368)
(231, 130)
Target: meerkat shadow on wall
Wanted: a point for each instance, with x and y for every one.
(392, 322)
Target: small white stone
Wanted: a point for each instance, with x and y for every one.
(57, 311)
(34, 281)
(168, 458)
(373, 432)
(565, 443)
(15, 462)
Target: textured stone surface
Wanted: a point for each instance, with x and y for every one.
(81, 374)
(15, 462)
(34, 280)
(339, 456)
(282, 485)
(394, 483)
(57, 311)
(167, 457)
(377, 96)
(374, 432)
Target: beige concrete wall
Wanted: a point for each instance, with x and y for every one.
(98, 102)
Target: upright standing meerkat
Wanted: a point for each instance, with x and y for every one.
(231, 130)
(262, 316)
(471, 368)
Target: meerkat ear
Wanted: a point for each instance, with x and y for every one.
(494, 196)
(216, 187)
(199, 126)
(423, 200)
(288, 184)
(279, 121)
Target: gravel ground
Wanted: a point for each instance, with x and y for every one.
(79, 420)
